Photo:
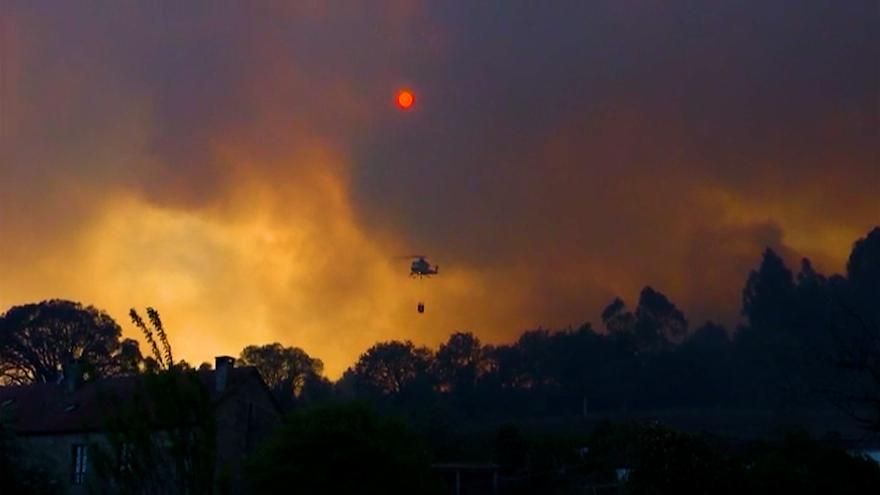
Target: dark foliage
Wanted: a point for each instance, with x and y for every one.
(38, 340)
(807, 338)
(863, 273)
(662, 460)
(668, 461)
(798, 464)
(293, 376)
(21, 474)
(343, 449)
(160, 439)
(392, 374)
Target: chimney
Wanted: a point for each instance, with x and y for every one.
(222, 365)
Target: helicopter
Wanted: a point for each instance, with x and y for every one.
(421, 267)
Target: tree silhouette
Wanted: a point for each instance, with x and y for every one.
(163, 358)
(658, 321)
(768, 296)
(655, 325)
(813, 307)
(863, 274)
(617, 319)
(38, 340)
(390, 367)
(855, 331)
(288, 371)
(459, 362)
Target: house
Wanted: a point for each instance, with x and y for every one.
(62, 427)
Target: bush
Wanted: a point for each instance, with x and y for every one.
(344, 448)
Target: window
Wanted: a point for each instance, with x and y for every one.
(126, 457)
(80, 461)
(187, 463)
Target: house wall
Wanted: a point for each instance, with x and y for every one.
(54, 453)
(244, 420)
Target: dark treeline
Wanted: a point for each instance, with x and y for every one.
(808, 340)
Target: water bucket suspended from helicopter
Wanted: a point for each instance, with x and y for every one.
(421, 268)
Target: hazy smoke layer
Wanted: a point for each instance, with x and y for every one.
(242, 167)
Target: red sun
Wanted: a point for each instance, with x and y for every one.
(405, 99)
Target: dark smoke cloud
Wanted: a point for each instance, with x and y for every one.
(559, 154)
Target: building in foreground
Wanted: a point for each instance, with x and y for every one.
(92, 437)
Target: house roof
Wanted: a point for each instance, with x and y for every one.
(47, 408)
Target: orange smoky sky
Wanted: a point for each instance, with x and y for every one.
(237, 166)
